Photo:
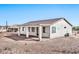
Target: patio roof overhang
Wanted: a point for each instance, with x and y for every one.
(36, 25)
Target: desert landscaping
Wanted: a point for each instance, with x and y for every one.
(10, 43)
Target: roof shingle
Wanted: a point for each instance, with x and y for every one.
(47, 21)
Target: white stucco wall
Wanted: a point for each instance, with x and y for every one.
(33, 33)
(43, 34)
(60, 30)
(47, 32)
(22, 32)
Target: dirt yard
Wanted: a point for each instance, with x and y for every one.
(10, 43)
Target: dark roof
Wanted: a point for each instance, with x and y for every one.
(47, 21)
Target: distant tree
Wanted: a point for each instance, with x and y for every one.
(76, 28)
(6, 25)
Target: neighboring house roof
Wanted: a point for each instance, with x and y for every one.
(48, 21)
(13, 26)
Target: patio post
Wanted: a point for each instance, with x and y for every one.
(18, 31)
(50, 31)
(27, 32)
(40, 32)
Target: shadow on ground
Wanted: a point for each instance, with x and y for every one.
(16, 37)
(19, 38)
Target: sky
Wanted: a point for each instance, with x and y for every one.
(22, 13)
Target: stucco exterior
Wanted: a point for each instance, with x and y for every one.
(60, 30)
(22, 32)
(46, 34)
(62, 27)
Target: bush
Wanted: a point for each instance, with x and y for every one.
(76, 28)
(66, 35)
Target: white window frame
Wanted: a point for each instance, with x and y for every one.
(33, 29)
(53, 29)
(23, 28)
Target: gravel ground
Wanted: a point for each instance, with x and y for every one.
(68, 45)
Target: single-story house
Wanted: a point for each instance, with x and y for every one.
(13, 28)
(50, 28)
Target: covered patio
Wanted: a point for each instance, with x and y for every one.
(36, 31)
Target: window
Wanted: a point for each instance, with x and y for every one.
(22, 28)
(44, 29)
(33, 29)
(53, 29)
(65, 27)
(29, 29)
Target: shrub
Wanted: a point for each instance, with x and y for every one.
(66, 35)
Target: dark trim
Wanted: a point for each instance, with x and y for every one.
(68, 22)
